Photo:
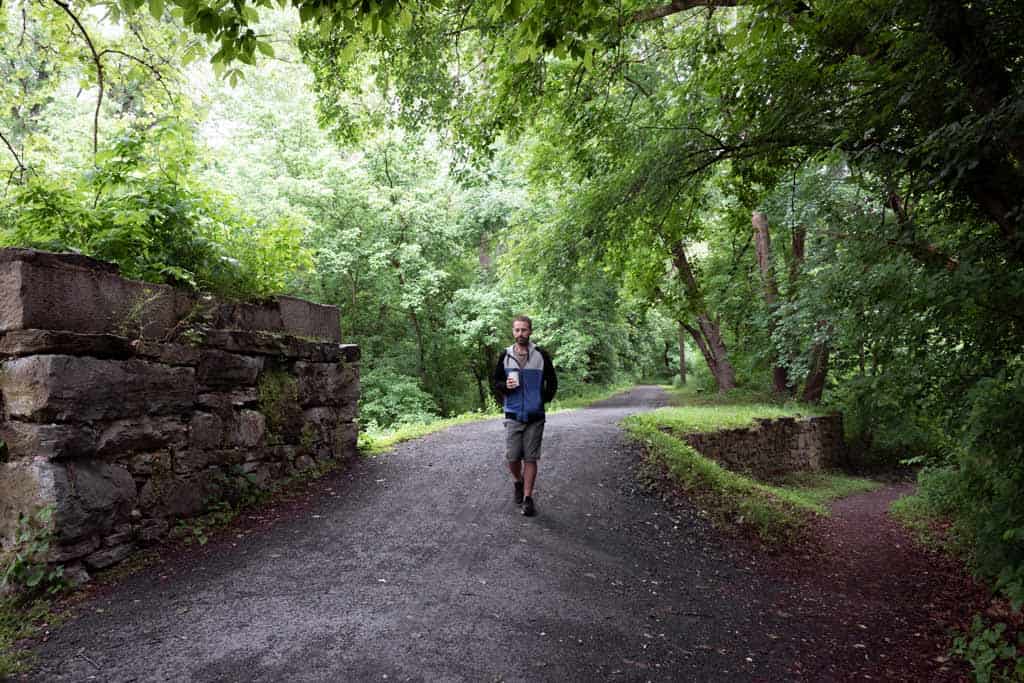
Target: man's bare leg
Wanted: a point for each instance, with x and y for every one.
(529, 476)
(516, 468)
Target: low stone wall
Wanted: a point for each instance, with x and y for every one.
(127, 405)
(774, 448)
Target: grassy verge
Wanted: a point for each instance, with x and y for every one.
(930, 529)
(691, 395)
(19, 620)
(776, 513)
(376, 442)
(583, 396)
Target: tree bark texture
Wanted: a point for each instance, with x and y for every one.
(682, 355)
(815, 384)
(763, 245)
(708, 338)
(707, 334)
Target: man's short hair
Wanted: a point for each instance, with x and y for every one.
(523, 319)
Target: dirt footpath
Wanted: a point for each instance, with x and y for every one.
(417, 566)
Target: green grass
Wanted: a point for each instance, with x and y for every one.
(929, 528)
(376, 442)
(690, 395)
(821, 488)
(777, 513)
(18, 620)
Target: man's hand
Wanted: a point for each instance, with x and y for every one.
(511, 382)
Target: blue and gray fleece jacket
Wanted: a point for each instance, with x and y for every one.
(537, 384)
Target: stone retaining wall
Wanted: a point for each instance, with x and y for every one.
(127, 405)
(774, 448)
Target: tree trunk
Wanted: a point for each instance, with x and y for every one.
(815, 384)
(763, 245)
(799, 249)
(707, 335)
(708, 338)
(682, 355)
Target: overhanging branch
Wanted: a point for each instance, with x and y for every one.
(662, 11)
(17, 159)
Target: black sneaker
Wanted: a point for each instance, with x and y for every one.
(519, 493)
(528, 509)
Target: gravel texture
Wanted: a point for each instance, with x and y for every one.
(416, 565)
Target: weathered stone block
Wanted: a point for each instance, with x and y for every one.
(122, 534)
(221, 370)
(144, 434)
(40, 290)
(105, 557)
(173, 496)
(26, 486)
(282, 315)
(92, 497)
(264, 317)
(88, 497)
(169, 354)
(327, 384)
(71, 389)
(206, 430)
(350, 353)
(72, 551)
(148, 464)
(270, 344)
(195, 460)
(346, 436)
(775, 447)
(50, 441)
(226, 402)
(33, 342)
(247, 430)
(306, 319)
(319, 427)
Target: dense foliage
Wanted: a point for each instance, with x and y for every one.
(823, 199)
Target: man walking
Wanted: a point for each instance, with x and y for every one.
(524, 380)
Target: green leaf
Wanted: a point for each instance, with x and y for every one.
(405, 19)
(524, 54)
(156, 9)
(265, 48)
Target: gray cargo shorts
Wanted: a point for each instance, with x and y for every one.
(522, 440)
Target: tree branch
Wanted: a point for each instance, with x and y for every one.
(652, 13)
(99, 74)
(636, 85)
(922, 251)
(151, 67)
(17, 159)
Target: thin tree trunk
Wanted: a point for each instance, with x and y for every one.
(815, 384)
(481, 397)
(799, 250)
(682, 354)
(763, 245)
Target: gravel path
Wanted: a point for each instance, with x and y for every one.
(417, 566)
